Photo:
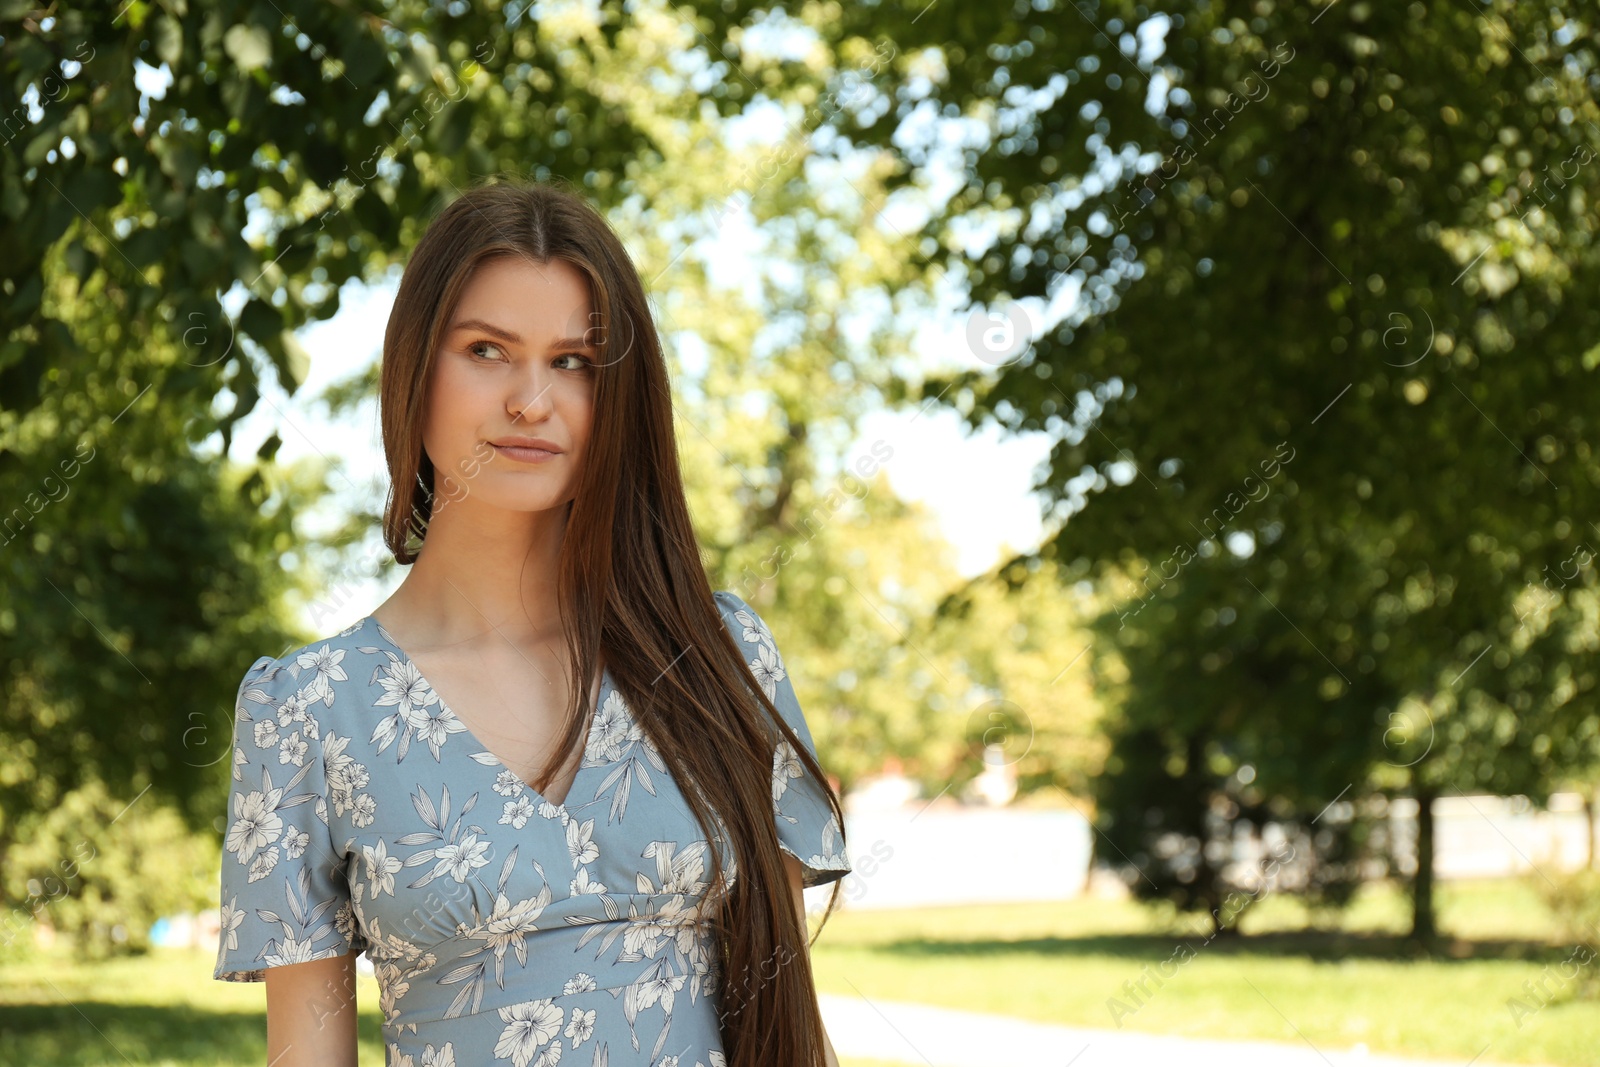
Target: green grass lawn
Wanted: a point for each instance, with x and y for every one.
(163, 1009)
(1354, 984)
(1049, 962)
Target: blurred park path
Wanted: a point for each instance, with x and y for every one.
(884, 1030)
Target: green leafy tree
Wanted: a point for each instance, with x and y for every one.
(162, 240)
(1358, 229)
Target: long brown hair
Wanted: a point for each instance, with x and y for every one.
(632, 589)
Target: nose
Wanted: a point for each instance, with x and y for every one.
(530, 400)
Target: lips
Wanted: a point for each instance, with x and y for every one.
(518, 441)
(520, 449)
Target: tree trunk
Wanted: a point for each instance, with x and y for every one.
(1588, 820)
(1422, 925)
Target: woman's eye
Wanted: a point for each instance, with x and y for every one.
(473, 348)
(578, 362)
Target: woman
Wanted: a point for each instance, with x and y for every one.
(528, 862)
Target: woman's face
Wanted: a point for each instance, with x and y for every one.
(511, 392)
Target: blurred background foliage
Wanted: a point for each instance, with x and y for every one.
(1348, 242)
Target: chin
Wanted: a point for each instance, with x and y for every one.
(530, 502)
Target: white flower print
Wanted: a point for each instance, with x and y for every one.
(523, 872)
(381, 867)
(256, 824)
(232, 916)
(295, 708)
(345, 776)
(325, 663)
(785, 765)
(660, 987)
(404, 685)
(616, 739)
(344, 921)
(463, 847)
(528, 1025)
(583, 884)
(290, 950)
(434, 729)
(263, 865)
(580, 841)
(582, 982)
(460, 859)
(673, 923)
(580, 1027)
(768, 670)
(517, 812)
(294, 843)
(753, 628)
(608, 731)
(405, 688)
(391, 990)
(293, 749)
(509, 925)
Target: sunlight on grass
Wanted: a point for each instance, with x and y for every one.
(1350, 984)
(1059, 962)
(164, 1009)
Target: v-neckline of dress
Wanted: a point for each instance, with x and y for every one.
(594, 714)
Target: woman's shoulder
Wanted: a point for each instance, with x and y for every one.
(310, 672)
(741, 619)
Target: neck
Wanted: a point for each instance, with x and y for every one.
(482, 570)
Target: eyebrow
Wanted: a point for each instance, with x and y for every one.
(564, 344)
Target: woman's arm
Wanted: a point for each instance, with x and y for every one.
(311, 1013)
(797, 889)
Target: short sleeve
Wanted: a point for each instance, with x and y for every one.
(807, 828)
(285, 894)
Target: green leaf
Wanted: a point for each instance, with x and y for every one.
(324, 162)
(168, 37)
(200, 259)
(363, 57)
(371, 212)
(48, 137)
(26, 298)
(92, 188)
(454, 124)
(12, 202)
(182, 162)
(80, 261)
(261, 321)
(143, 247)
(58, 217)
(296, 362)
(249, 47)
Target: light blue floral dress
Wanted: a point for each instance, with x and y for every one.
(502, 927)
